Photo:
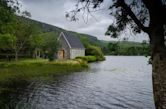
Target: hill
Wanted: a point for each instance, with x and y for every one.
(85, 38)
(124, 46)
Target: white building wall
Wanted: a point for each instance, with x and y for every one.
(76, 52)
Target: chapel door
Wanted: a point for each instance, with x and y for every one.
(61, 54)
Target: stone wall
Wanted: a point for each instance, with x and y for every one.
(75, 52)
(64, 46)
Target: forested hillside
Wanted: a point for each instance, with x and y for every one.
(42, 30)
(108, 47)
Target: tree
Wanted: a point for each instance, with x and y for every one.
(51, 44)
(148, 16)
(12, 27)
(22, 32)
(36, 41)
(7, 12)
(113, 48)
(7, 41)
(17, 35)
(144, 42)
(95, 51)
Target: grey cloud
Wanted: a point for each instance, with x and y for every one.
(53, 12)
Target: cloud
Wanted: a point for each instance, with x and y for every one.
(53, 12)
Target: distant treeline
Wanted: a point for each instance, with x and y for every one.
(116, 48)
(127, 48)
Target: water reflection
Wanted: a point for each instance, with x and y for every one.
(117, 83)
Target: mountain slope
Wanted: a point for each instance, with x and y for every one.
(85, 38)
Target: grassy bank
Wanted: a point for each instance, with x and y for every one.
(31, 69)
(90, 59)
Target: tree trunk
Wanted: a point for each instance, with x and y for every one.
(159, 81)
(159, 67)
(35, 53)
(16, 56)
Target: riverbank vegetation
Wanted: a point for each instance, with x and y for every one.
(95, 51)
(22, 38)
(29, 69)
(124, 47)
(128, 48)
(89, 59)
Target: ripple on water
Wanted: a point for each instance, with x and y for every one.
(117, 83)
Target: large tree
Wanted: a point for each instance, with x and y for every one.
(46, 43)
(51, 44)
(8, 8)
(17, 35)
(148, 16)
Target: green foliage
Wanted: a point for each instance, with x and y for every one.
(50, 44)
(114, 48)
(23, 29)
(126, 48)
(36, 41)
(87, 58)
(89, 41)
(7, 41)
(21, 32)
(6, 13)
(95, 51)
(28, 69)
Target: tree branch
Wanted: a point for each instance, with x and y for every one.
(156, 7)
(133, 16)
(148, 4)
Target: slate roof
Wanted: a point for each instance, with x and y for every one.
(73, 40)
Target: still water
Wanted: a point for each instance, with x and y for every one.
(120, 82)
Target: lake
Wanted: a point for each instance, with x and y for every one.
(120, 82)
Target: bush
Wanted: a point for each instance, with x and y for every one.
(87, 58)
(95, 51)
(51, 56)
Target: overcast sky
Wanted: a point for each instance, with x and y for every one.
(53, 12)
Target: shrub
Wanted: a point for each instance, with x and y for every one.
(95, 51)
(82, 62)
(87, 58)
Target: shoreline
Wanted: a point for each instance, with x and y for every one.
(32, 69)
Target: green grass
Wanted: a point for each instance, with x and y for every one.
(88, 58)
(91, 58)
(28, 69)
